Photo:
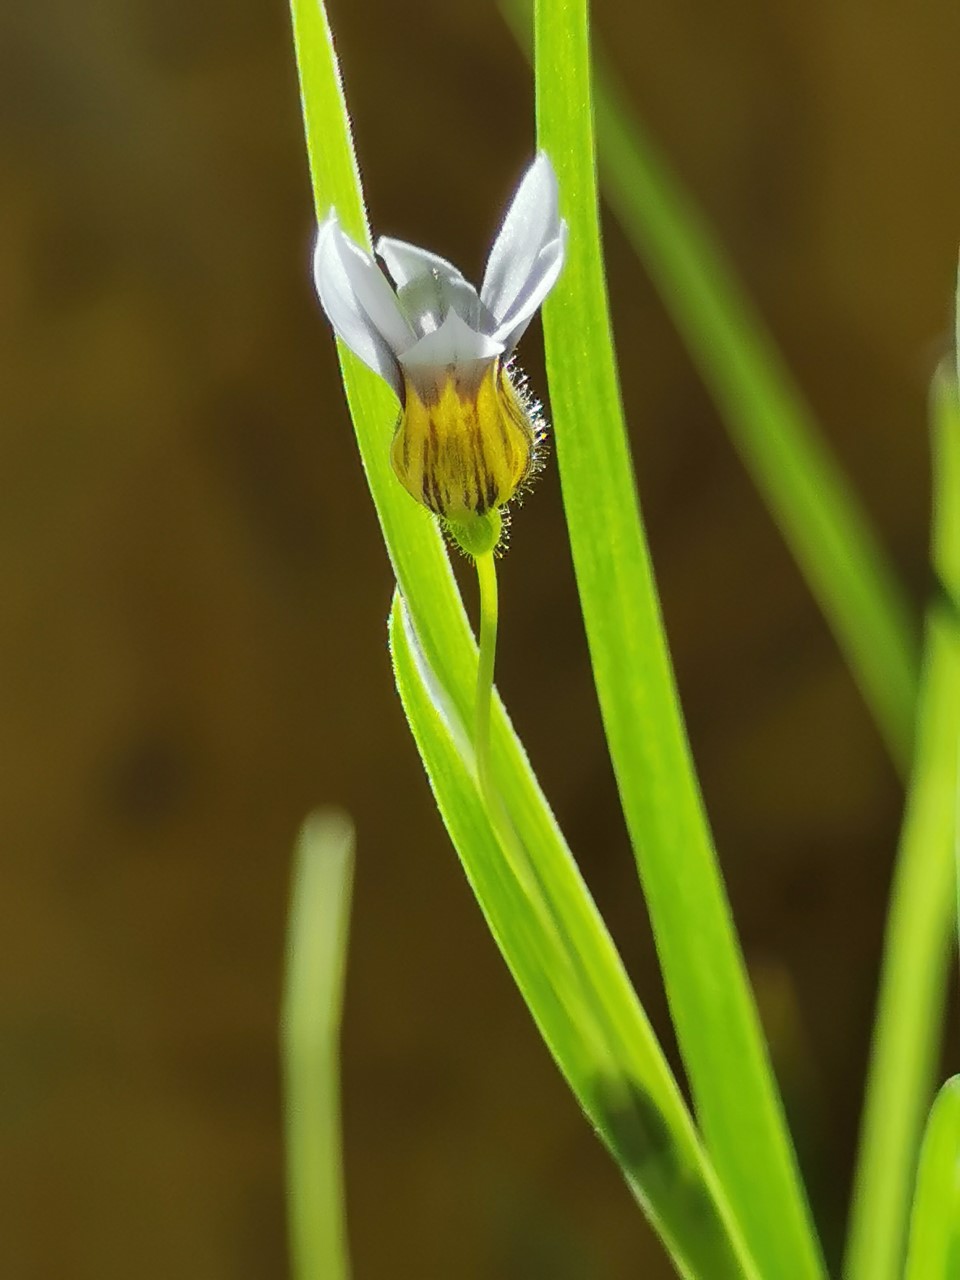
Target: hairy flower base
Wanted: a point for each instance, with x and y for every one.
(466, 450)
(480, 534)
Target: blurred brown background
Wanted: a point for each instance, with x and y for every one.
(194, 595)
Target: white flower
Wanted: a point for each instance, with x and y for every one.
(465, 441)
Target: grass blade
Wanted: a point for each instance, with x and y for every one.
(712, 1007)
(934, 1252)
(578, 994)
(313, 997)
(772, 427)
(922, 906)
(413, 542)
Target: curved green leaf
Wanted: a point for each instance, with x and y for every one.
(575, 987)
(934, 1252)
(922, 911)
(737, 1102)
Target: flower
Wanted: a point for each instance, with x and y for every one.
(467, 435)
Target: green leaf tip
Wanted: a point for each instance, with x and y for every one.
(934, 1252)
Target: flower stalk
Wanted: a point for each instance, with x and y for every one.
(489, 616)
(504, 830)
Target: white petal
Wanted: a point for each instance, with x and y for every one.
(407, 262)
(426, 303)
(531, 223)
(454, 351)
(541, 280)
(429, 286)
(453, 344)
(374, 294)
(348, 293)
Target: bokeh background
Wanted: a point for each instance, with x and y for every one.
(192, 634)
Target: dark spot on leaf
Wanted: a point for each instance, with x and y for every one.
(634, 1125)
(635, 1129)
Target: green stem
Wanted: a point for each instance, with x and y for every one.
(503, 828)
(537, 895)
(519, 861)
(672, 1178)
(598, 1030)
(489, 617)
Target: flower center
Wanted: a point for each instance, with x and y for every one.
(464, 451)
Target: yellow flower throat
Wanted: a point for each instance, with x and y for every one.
(462, 453)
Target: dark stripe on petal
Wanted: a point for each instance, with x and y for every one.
(480, 478)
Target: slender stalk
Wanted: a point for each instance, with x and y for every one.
(503, 828)
(673, 1180)
(602, 1035)
(537, 895)
(489, 618)
(316, 951)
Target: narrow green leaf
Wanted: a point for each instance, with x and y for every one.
(909, 1016)
(712, 1007)
(819, 514)
(575, 987)
(413, 542)
(922, 909)
(934, 1252)
(773, 429)
(310, 1037)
